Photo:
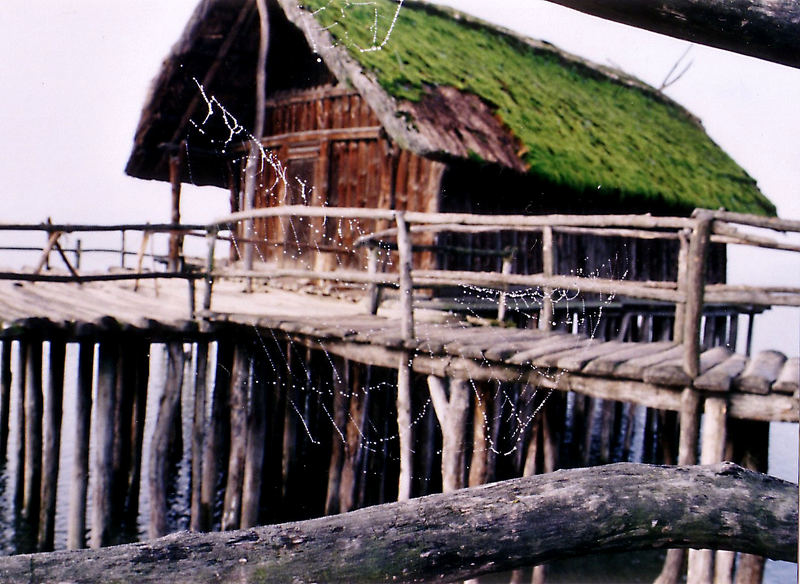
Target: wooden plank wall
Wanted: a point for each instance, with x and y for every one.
(332, 142)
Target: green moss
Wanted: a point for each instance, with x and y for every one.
(579, 129)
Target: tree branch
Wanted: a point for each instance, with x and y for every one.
(767, 29)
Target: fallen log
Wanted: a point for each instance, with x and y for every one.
(465, 533)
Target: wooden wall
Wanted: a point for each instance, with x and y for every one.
(325, 147)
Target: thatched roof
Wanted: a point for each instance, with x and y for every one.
(448, 86)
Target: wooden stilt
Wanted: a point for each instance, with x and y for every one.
(672, 571)
(751, 450)
(216, 445)
(452, 414)
(198, 433)
(138, 415)
(296, 377)
(232, 509)
(404, 426)
(33, 435)
(353, 436)
(254, 453)
(162, 436)
(480, 445)
(51, 444)
(22, 367)
(123, 435)
(341, 399)
(104, 443)
(5, 394)
(273, 462)
(76, 523)
(701, 562)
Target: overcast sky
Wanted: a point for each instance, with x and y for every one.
(75, 74)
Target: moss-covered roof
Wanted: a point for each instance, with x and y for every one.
(578, 126)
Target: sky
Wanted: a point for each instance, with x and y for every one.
(75, 75)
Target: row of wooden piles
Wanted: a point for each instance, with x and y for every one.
(282, 430)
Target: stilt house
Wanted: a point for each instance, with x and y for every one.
(410, 106)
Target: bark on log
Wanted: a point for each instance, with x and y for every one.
(760, 28)
(466, 533)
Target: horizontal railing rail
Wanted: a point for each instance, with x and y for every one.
(689, 292)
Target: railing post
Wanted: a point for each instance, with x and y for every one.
(404, 366)
(122, 249)
(175, 237)
(695, 288)
(211, 241)
(680, 306)
(508, 260)
(548, 269)
(406, 282)
(140, 257)
(77, 254)
(373, 289)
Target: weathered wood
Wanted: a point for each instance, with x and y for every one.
(646, 394)
(604, 365)
(758, 28)
(680, 305)
(546, 346)
(635, 367)
(108, 357)
(466, 533)
(254, 451)
(45, 257)
(694, 291)
(720, 377)
(452, 413)
(240, 386)
(76, 522)
(404, 428)
(199, 425)
(775, 223)
(673, 372)
(508, 221)
(33, 433)
(548, 270)
(215, 448)
(373, 290)
(502, 301)
(175, 238)
(341, 397)
(789, 378)
(139, 379)
(51, 447)
(406, 282)
(672, 571)
(6, 381)
(773, 407)
(168, 407)
(733, 235)
(701, 561)
(760, 373)
(478, 468)
(576, 359)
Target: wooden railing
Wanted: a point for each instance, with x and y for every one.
(689, 293)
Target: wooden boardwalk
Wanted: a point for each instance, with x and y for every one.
(764, 387)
